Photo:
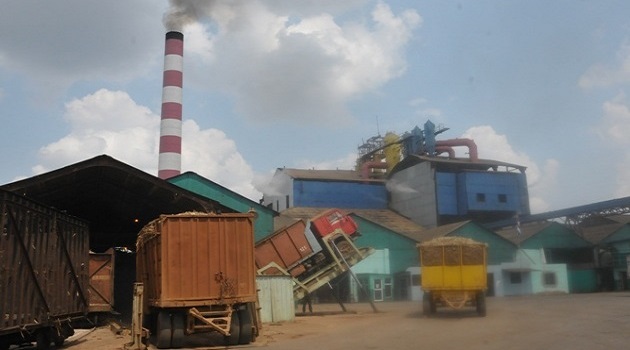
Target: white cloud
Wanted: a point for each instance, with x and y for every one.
(615, 125)
(422, 109)
(601, 75)
(277, 66)
(614, 130)
(110, 122)
(540, 181)
(54, 44)
(346, 162)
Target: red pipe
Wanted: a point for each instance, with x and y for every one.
(472, 146)
(445, 149)
(367, 166)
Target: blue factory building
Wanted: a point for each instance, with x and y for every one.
(434, 191)
(416, 176)
(324, 189)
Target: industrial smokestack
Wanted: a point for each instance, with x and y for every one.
(170, 158)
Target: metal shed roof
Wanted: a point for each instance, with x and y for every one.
(456, 164)
(115, 198)
(326, 175)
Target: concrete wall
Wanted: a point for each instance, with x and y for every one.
(377, 263)
(529, 274)
(413, 194)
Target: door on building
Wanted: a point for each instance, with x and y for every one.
(388, 288)
(378, 289)
(622, 280)
(490, 291)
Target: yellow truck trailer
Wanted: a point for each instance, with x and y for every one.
(454, 273)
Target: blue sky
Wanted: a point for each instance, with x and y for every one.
(301, 84)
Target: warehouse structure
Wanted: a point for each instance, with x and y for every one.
(116, 200)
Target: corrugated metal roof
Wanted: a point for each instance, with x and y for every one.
(440, 231)
(595, 234)
(326, 175)
(455, 163)
(623, 219)
(117, 199)
(527, 231)
(393, 221)
(386, 218)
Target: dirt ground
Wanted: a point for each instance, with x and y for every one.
(579, 321)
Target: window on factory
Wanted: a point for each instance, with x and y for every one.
(549, 278)
(515, 277)
(481, 197)
(502, 198)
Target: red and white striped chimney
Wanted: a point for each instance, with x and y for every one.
(170, 158)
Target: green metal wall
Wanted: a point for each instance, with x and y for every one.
(619, 241)
(582, 280)
(402, 250)
(555, 236)
(263, 226)
(500, 250)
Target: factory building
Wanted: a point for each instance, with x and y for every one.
(324, 189)
(434, 191)
(560, 245)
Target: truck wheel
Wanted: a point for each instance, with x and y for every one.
(235, 328)
(179, 326)
(163, 330)
(4, 343)
(59, 341)
(426, 303)
(245, 331)
(481, 304)
(43, 339)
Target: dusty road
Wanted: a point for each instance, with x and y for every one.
(581, 321)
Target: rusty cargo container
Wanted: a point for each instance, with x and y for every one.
(287, 247)
(199, 275)
(44, 256)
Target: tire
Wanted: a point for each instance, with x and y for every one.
(426, 303)
(481, 304)
(246, 332)
(59, 342)
(163, 330)
(432, 305)
(235, 328)
(43, 339)
(179, 327)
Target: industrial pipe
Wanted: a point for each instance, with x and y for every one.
(472, 146)
(445, 149)
(367, 166)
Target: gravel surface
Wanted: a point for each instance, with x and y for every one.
(578, 321)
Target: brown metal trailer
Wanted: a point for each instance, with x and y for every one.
(44, 256)
(199, 276)
(288, 247)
